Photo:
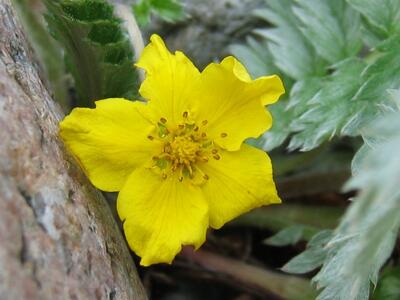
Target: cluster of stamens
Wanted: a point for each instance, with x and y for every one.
(185, 147)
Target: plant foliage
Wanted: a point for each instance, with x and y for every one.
(352, 258)
(98, 52)
(168, 10)
(338, 58)
(340, 62)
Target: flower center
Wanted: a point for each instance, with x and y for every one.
(185, 148)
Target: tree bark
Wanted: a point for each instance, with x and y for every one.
(58, 239)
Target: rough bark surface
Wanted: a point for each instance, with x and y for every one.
(58, 239)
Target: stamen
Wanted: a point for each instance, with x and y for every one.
(150, 137)
(223, 135)
(184, 147)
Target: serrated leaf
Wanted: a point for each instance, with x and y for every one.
(312, 257)
(97, 49)
(330, 108)
(384, 15)
(288, 236)
(287, 36)
(332, 27)
(368, 231)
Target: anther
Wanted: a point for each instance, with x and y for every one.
(217, 157)
(164, 176)
(203, 135)
(214, 151)
(204, 122)
(181, 126)
(205, 176)
(180, 178)
(150, 137)
(163, 120)
(156, 158)
(196, 128)
(223, 135)
(185, 114)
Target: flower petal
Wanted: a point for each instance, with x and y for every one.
(238, 182)
(169, 80)
(110, 141)
(233, 104)
(161, 215)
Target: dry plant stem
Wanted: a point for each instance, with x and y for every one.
(135, 36)
(285, 286)
(58, 238)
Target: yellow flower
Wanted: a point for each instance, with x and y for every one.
(179, 160)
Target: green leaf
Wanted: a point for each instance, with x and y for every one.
(285, 37)
(289, 236)
(330, 109)
(383, 15)
(169, 10)
(312, 257)
(308, 37)
(98, 52)
(142, 11)
(332, 27)
(389, 285)
(368, 231)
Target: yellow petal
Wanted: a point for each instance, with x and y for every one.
(233, 104)
(110, 141)
(238, 182)
(170, 80)
(161, 215)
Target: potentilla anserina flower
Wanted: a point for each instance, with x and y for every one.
(178, 161)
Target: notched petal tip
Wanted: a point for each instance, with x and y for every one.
(270, 87)
(152, 54)
(274, 88)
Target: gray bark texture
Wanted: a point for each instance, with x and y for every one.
(58, 239)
